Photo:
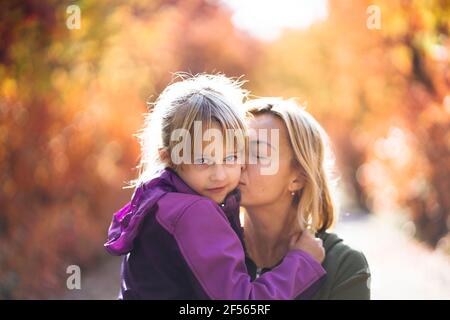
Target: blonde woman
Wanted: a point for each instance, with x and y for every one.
(297, 197)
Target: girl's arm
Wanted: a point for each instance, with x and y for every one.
(215, 256)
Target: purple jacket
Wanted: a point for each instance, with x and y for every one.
(180, 245)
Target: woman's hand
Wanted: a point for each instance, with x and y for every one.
(309, 244)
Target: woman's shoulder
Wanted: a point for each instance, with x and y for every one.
(347, 269)
(341, 255)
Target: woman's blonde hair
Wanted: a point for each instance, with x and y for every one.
(316, 206)
(206, 98)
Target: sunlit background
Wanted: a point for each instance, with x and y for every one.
(376, 74)
(271, 18)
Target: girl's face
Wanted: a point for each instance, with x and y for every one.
(258, 189)
(211, 176)
(211, 180)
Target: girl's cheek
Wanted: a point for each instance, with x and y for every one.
(236, 174)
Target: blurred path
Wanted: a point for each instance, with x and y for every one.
(401, 267)
(99, 284)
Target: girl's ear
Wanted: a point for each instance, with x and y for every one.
(164, 155)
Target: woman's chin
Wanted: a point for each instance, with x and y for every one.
(244, 201)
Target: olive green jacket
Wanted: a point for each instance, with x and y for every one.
(348, 274)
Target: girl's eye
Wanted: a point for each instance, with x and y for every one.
(199, 161)
(230, 158)
(204, 161)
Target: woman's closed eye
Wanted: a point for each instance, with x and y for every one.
(261, 150)
(257, 154)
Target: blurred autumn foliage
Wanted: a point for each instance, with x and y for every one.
(384, 97)
(71, 100)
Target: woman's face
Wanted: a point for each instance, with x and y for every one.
(260, 189)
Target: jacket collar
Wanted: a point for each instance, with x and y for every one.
(171, 180)
(127, 221)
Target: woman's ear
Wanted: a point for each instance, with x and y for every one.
(296, 184)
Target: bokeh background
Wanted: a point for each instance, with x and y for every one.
(72, 98)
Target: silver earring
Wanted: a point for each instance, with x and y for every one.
(293, 193)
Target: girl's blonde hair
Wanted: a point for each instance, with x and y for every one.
(316, 206)
(206, 98)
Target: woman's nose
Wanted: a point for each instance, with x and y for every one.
(243, 179)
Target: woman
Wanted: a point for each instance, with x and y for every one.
(295, 197)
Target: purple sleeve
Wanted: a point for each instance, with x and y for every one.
(215, 255)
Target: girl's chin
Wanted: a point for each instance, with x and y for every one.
(216, 198)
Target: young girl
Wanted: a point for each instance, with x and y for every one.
(180, 233)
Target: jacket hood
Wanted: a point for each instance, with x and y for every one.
(127, 221)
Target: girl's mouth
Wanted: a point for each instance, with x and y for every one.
(216, 190)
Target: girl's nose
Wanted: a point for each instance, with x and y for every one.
(218, 173)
